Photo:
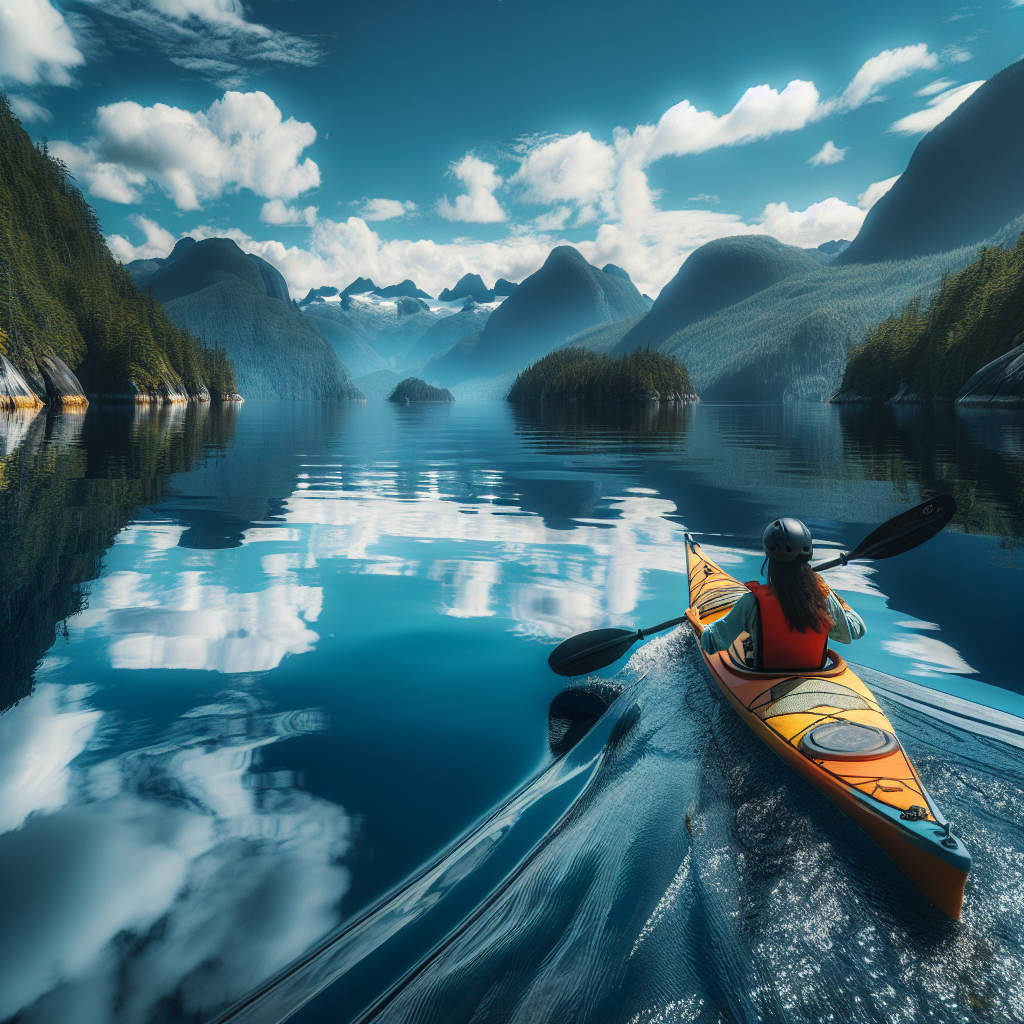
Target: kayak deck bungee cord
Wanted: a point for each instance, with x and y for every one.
(827, 725)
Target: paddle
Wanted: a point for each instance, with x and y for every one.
(598, 648)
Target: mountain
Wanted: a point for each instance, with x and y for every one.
(318, 294)
(565, 296)
(444, 333)
(345, 335)
(503, 287)
(610, 268)
(359, 286)
(718, 274)
(407, 288)
(72, 323)
(468, 284)
(964, 181)
(389, 327)
(240, 303)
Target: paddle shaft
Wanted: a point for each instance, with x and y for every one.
(619, 641)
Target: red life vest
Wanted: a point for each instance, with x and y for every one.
(782, 646)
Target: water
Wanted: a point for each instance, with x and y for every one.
(281, 700)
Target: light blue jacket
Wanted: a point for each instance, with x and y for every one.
(744, 617)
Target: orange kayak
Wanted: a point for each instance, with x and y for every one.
(828, 726)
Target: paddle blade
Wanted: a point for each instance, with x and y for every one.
(907, 530)
(588, 652)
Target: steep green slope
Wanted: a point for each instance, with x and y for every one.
(976, 316)
(718, 274)
(64, 296)
(790, 341)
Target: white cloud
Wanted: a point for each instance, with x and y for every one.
(554, 220)
(956, 55)
(578, 168)
(704, 198)
(276, 211)
(874, 192)
(241, 141)
(478, 205)
(386, 209)
(828, 154)
(820, 222)
(29, 110)
(939, 85)
(159, 241)
(939, 108)
(213, 38)
(36, 44)
(887, 67)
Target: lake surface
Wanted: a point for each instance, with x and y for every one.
(276, 728)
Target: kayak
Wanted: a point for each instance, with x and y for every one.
(828, 726)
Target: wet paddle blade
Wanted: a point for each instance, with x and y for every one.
(591, 651)
(907, 530)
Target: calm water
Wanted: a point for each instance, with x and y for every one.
(278, 696)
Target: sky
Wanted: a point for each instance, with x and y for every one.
(423, 140)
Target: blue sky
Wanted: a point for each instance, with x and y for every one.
(425, 140)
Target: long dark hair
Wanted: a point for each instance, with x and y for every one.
(801, 594)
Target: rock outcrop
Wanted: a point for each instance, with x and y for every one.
(999, 384)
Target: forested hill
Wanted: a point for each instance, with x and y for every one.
(977, 316)
(63, 295)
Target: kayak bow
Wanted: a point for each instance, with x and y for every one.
(828, 726)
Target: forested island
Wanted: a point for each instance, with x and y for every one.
(975, 318)
(72, 322)
(577, 374)
(412, 389)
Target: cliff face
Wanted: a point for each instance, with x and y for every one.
(999, 384)
(71, 322)
(239, 303)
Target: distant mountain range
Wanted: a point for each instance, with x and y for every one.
(240, 303)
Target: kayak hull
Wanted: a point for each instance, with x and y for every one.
(882, 793)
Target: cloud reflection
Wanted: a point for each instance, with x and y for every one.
(181, 877)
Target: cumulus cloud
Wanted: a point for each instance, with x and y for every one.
(576, 167)
(241, 141)
(29, 110)
(874, 192)
(887, 67)
(276, 211)
(828, 154)
(386, 209)
(477, 205)
(831, 218)
(554, 220)
(159, 241)
(939, 85)
(36, 44)
(939, 108)
(213, 38)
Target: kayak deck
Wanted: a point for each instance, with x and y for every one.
(875, 785)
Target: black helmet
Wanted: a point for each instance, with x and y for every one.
(788, 540)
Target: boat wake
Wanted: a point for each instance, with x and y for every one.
(670, 867)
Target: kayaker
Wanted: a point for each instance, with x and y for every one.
(791, 618)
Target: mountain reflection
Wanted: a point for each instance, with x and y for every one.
(69, 484)
(163, 882)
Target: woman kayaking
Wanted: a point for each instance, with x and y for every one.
(791, 618)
